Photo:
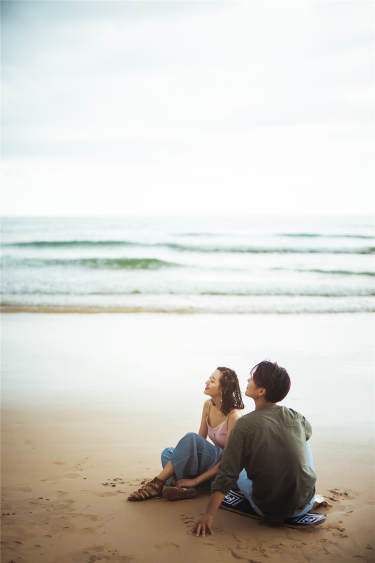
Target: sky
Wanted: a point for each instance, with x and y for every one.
(187, 108)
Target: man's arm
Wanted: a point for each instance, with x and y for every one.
(305, 423)
(308, 428)
(230, 466)
(204, 524)
(233, 459)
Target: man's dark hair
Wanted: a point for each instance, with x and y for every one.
(273, 378)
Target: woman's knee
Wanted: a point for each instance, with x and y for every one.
(166, 455)
(192, 436)
(188, 442)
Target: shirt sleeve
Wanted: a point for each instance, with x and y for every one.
(308, 428)
(232, 461)
(305, 423)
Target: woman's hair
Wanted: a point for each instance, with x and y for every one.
(230, 391)
(273, 378)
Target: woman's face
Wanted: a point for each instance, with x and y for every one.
(213, 384)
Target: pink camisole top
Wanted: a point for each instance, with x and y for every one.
(219, 433)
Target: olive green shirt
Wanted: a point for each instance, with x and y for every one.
(270, 443)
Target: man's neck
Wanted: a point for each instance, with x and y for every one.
(259, 403)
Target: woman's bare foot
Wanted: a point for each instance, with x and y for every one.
(149, 490)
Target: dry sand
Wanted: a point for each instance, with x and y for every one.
(56, 460)
(56, 507)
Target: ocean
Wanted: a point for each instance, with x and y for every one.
(259, 264)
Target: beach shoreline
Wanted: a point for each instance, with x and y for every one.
(95, 310)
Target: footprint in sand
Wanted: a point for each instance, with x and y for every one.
(106, 494)
(91, 517)
(189, 522)
(167, 545)
(337, 530)
(100, 553)
(340, 494)
(114, 482)
(244, 557)
(72, 475)
(24, 489)
(66, 505)
(88, 530)
(81, 464)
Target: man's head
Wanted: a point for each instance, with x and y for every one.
(268, 381)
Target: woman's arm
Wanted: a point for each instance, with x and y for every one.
(203, 430)
(233, 417)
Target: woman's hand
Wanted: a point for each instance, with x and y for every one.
(187, 483)
(204, 525)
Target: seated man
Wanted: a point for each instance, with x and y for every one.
(270, 445)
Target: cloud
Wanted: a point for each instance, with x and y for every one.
(188, 96)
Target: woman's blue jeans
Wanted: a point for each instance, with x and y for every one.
(246, 486)
(192, 456)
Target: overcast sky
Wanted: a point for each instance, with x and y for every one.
(188, 107)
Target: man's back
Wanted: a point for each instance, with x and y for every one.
(270, 443)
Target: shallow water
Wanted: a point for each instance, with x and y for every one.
(239, 265)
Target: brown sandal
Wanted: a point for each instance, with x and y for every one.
(179, 493)
(149, 490)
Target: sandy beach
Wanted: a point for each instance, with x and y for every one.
(187, 186)
(89, 402)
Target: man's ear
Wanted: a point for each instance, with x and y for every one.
(262, 391)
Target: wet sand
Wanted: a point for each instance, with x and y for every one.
(64, 448)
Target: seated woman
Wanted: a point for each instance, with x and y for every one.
(194, 459)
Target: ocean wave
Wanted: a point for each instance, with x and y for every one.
(200, 234)
(291, 235)
(282, 292)
(104, 263)
(321, 235)
(268, 250)
(70, 243)
(195, 248)
(329, 272)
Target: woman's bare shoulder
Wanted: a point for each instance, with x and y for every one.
(206, 404)
(235, 414)
(205, 410)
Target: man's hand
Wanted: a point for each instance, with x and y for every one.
(204, 525)
(189, 483)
